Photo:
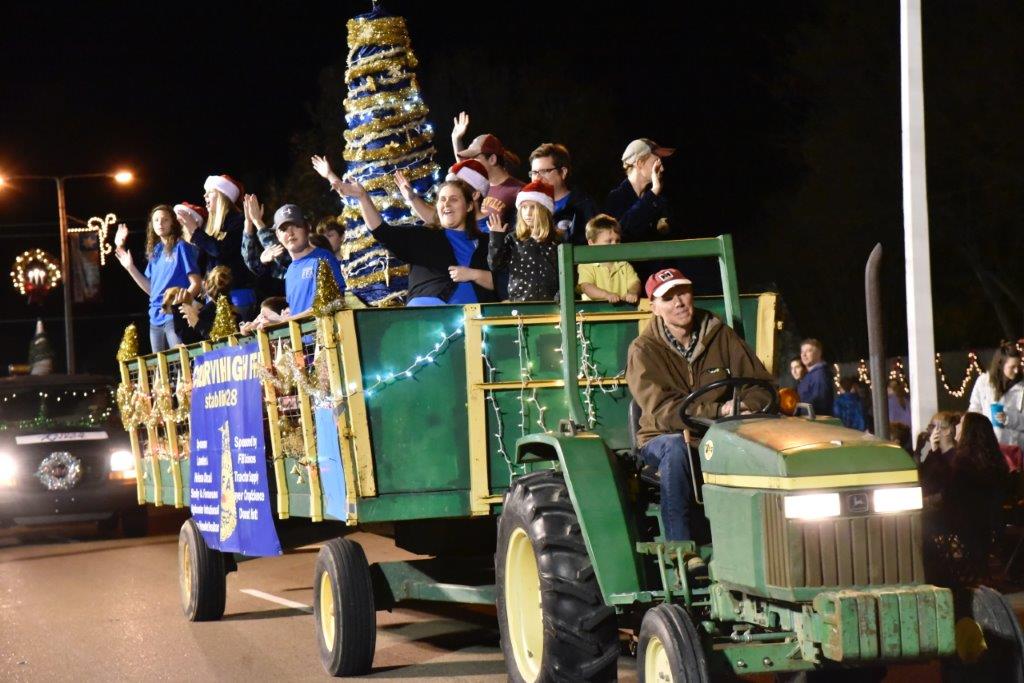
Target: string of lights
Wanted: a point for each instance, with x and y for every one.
(525, 377)
(897, 373)
(591, 374)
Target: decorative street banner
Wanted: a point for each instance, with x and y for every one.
(229, 494)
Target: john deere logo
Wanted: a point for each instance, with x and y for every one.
(709, 449)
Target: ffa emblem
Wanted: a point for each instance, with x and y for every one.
(709, 449)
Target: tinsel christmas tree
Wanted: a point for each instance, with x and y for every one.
(387, 131)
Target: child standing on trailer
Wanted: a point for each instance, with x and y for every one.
(292, 231)
(171, 263)
(529, 253)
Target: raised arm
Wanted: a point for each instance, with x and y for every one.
(124, 257)
(371, 216)
(459, 127)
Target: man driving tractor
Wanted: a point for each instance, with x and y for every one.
(683, 350)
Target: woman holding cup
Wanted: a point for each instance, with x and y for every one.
(999, 395)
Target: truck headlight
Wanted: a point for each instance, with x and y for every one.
(812, 506)
(122, 465)
(898, 499)
(8, 469)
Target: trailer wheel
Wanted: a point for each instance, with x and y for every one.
(201, 576)
(553, 621)
(989, 641)
(670, 648)
(343, 609)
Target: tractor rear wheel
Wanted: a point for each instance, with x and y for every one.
(989, 640)
(553, 621)
(201, 576)
(670, 648)
(343, 609)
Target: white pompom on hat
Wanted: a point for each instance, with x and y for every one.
(474, 173)
(226, 185)
(198, 213)
(537, 191)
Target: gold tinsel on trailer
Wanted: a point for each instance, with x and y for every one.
(129, 344)
(224, 323)
(327, 300)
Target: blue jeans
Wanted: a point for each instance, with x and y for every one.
(163, 337)
(669, 453)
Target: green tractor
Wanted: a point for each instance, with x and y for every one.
(495, 440)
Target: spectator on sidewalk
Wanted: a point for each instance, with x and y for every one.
(899, 402)
(847, 405)
(815, 387)
(998, 395)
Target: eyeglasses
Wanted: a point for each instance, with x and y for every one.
(542, 171)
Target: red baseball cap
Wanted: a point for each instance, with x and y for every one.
(488, 144)
(664, 280)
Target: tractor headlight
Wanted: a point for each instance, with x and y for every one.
(812, 506)
(8, 469)
(122, 465)
(898, 499)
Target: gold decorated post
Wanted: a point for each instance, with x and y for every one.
(224, 323)
(327, 299)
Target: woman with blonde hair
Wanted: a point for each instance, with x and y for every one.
(999, 393)
(530, 253)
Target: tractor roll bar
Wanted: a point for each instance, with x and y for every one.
(568, 256)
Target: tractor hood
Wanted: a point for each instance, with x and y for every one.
(797, 453)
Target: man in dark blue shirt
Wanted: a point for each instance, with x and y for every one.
(816, 386)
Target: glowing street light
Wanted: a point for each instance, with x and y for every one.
(121, 177)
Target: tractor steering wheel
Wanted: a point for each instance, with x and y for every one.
(700, 424)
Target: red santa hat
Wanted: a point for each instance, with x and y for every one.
(537, 191)
(474, 173)
(198, 213)
(226, 185)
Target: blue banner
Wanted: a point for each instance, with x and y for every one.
(332, 470)
(229, 493)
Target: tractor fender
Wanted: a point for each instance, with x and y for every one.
(598, 494)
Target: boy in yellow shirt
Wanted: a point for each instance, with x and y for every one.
(612, 282)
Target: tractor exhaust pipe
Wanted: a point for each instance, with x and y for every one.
(876, 341)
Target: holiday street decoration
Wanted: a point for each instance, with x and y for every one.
(224, 323)
(100, 226)
(387, 131)
(327, 299)
(35, 274)
(59, 471)
(40, 354)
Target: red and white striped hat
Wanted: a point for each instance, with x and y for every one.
(226, 185)
(198, 213)
(537, 191)
(474, 173)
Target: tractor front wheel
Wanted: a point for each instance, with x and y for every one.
(989, 640)
(670, 648)
(553, 620)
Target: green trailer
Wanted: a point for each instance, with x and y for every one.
(496, 439)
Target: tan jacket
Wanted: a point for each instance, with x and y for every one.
(660, 377)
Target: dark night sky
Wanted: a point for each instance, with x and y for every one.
(786, 117)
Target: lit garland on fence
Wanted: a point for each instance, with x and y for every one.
(525, 377)
(101, 227)
(897, 373)
(590, 373)
(499, 424)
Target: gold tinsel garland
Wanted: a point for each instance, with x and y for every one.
(394, 58)
(407, 129)
(379, 276)
(127, 406)
(389, 150)
(393, 76)
(385, 123)
(382, 31)
(388, 181)
(392, 98)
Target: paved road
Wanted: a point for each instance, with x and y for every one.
(74, 606)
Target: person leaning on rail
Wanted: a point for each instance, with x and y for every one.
(683, 349)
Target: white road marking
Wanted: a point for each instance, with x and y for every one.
(280, 601)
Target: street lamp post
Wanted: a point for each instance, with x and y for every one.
(122, 178)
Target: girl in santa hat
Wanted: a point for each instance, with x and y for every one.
(171, 263)
(529, 253)
(220, 240)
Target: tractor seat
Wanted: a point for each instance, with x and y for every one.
(648, 473)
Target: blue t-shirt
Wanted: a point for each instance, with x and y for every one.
(560, 203)
(168, 270)
(463, 247)
(300, 279)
